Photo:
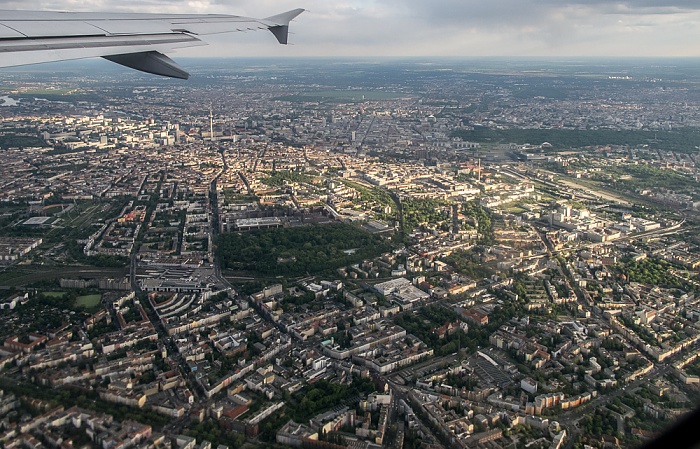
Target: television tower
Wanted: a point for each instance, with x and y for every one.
(211, 122)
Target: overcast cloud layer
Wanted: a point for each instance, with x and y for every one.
(438, 27)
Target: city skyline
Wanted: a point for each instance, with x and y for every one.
(444, 28)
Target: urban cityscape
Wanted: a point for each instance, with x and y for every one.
(350, 253)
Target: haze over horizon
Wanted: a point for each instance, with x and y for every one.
(548, 28)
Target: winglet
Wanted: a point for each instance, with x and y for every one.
(279, 24)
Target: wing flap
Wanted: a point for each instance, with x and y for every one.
(45, 28)
(7, 32)
(131, 26)
(203, 28)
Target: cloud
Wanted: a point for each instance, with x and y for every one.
(439, 27)
(639, 6)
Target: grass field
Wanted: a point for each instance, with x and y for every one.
(50, 210)
(88, 301)
(12, 141)
(54, 294)
(516, 209)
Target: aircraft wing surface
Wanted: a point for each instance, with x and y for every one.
(133, 40)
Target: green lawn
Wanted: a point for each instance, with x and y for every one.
(54, 209)
(88, 301)
(516, 209)
(54, 294)
(13, 140)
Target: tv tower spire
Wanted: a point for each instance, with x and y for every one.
(211, 122)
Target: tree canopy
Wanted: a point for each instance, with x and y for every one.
(298, 250)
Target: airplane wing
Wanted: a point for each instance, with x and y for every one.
(133, 40)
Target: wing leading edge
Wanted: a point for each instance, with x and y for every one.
(133, 40)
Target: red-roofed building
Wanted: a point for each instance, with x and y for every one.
(235, 412)
(35, 340)
(476, 317)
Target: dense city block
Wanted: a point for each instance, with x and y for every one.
(347, 254)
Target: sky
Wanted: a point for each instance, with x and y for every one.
(452, 28)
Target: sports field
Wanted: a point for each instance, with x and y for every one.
(88, 301)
